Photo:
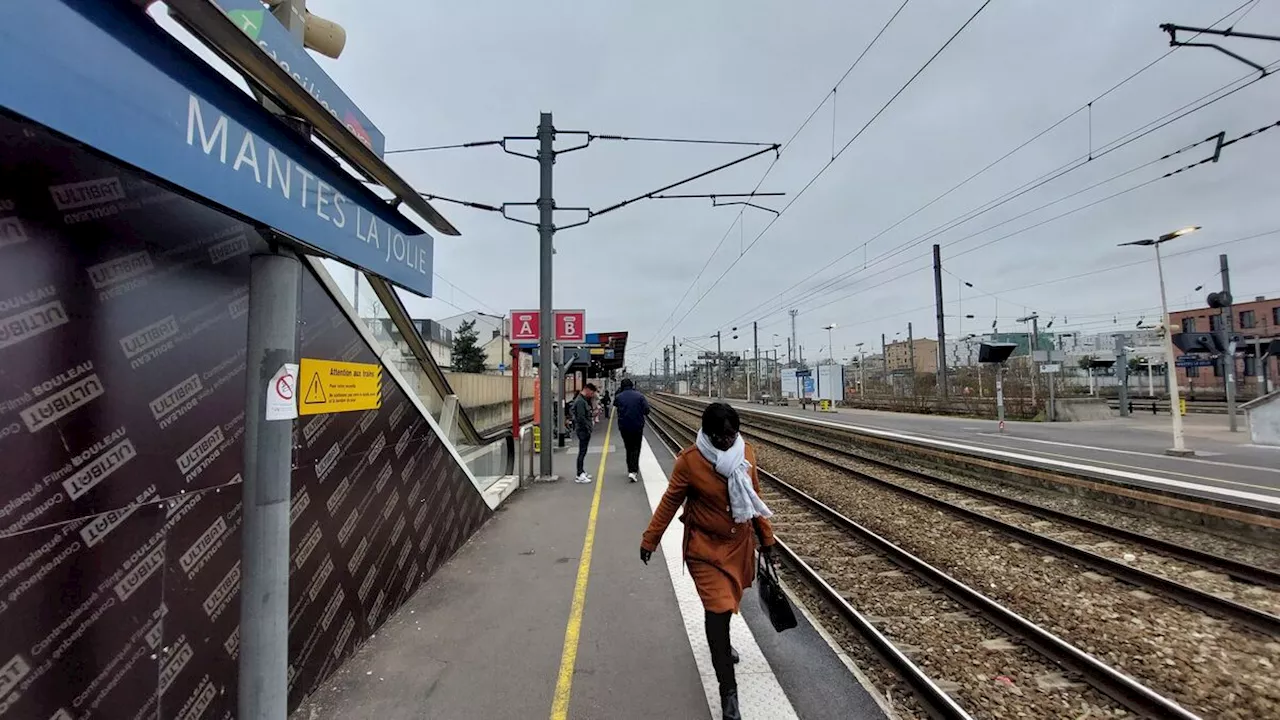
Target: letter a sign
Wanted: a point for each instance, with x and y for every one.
(524, 326)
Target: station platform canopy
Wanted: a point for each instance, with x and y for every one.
(606, 352)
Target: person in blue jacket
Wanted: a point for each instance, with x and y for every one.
(633, 408)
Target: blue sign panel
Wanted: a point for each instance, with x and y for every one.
(106, 75)
(1186, 361)
(263, 28)
(808, 384)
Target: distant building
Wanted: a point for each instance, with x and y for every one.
(1257, 319)
(898, 356)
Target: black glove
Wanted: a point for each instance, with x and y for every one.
(645, 555)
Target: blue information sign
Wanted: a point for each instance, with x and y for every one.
(104, 74)
(263, 28)
(1186, 361)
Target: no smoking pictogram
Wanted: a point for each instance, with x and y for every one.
(280, 392)
(284, 388)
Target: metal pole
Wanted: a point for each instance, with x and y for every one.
(942, 329)
(862, 372)
(911, 352)
(719, 368)
(755, 353)
(794, 342)
(1000, 395)
(1035, 346)
(274, 281)
(1122, 375)
(884, 361)
(558, 374)
(546, 248)
(1179, 448)
(264, 595)
(1229, 358)
(1053, 407)
(515, 396)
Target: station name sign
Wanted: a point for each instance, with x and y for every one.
(263, 28)
(127, 89)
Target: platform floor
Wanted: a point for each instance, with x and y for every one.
(1224, 460)
(512, 628)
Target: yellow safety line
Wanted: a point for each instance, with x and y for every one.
(573, 631)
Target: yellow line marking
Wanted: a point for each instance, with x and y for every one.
(573, 631)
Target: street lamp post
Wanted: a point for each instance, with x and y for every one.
(1175, 407)
(831, 358)
(862, 370)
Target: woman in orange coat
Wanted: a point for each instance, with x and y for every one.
(716, 481)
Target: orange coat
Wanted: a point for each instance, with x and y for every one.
(719, 553)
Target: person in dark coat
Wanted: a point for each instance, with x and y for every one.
(716, 482)
(633, 408)
(583, 423)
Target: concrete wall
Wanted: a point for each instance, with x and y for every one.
(487, 398)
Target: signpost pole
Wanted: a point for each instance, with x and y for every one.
(546, 246)
(264, 592)
(515, 396)
(1053, 407)
(274, 280)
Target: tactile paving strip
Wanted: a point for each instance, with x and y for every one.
(759, 694)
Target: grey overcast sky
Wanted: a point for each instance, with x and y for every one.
(431, 73)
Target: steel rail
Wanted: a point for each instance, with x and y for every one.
(1120, 687)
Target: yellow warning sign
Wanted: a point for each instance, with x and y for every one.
(330, 386)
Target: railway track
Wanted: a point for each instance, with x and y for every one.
(1211, 582)
(1168, 647)
(961, 653)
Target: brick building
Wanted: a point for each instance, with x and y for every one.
(1259, 318)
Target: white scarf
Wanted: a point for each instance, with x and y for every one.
(732, 465)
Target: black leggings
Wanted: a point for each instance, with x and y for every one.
(721, 657)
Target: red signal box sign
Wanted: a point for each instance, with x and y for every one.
(571, 326)
(524, 326)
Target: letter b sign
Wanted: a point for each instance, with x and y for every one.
(570, 326)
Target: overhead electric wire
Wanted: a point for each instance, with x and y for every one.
(1001, 295)
(1145, 130)
(429, 148)
(689, 141)
(1124, 140)
(830, 162)
(1054, 174)
(769, 169)
(859, 291)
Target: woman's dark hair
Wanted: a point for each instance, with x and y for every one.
(719, 419)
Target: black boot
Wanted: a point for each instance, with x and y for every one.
(722, 659)
(729, 705)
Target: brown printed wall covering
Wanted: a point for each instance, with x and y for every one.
(123, 311)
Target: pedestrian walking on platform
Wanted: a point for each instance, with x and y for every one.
(716, 482)
(633, 408)
(583, 422)
(606, 402)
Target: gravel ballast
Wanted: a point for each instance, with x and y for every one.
(1208, 665)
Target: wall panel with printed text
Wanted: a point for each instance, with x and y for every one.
(123, 308)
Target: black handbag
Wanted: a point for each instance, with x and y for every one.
(771, 594)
